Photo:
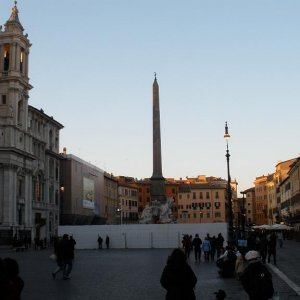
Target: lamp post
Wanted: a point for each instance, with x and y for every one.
(229, 215)
(119, 210)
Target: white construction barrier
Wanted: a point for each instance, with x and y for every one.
(140, 235)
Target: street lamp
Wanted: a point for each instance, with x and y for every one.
(229, 215)
(119, 210)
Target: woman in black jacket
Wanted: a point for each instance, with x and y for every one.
(178, 278)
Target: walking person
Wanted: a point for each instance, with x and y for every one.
(263, 247)
(213, 246)
(58, 255)
(67, 254)
(197, 242)
(107, 242)
(272, 248)
(206, 247)
(256, 278)
(280, 238)
(178, 278)
(219, 244)
(187, 245)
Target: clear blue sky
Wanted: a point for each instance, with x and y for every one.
(92, 65)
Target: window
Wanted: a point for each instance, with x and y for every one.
(6, 57)
(21, 60)
(180, 196)
(194, 195)
(201, 195)
(217, 195)
(195, 215)
(208, 215)
(207, 195)
(188, 196)
(217, 215)
(208, 205)
(3, 99)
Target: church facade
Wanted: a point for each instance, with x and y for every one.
(29, 146)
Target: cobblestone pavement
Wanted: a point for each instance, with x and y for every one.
(134, 275)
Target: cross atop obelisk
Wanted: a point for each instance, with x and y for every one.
(157, 190)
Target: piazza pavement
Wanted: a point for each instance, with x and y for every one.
(134, 274)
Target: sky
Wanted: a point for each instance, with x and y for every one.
(92, 64)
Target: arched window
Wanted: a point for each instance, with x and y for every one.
(6, 57)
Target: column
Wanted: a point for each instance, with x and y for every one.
(12, 61)
(18, 57)
(1, 58)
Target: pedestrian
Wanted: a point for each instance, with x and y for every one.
(178, 278)
(99, 240)
(272, 248)
(219, 244)
(187, 245)
(107, 242)
(239, 264)
(206, 248)
(256, 278)
(11, 284)
(67, 254)
(213, 246)
(263, 247)
(58, 258)
(197, 242)
(280, 238)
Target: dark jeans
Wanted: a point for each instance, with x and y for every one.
(198, 254)
(67, 267)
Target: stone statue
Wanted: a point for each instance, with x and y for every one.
(157, 212)
(165, 211)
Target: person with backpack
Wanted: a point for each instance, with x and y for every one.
(256, 278)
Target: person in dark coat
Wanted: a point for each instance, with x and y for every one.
(11, 284)
(256, 278)
(197, 242)
(107, 242)
(66, 249)
(178, 278)
(58, 254)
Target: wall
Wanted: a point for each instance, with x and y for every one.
(140, 235)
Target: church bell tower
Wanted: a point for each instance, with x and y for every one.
(14, 81)
(16, 156)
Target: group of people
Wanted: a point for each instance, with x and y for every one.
(211, 246)
(247, 264)
(100, 241)
(64, 256)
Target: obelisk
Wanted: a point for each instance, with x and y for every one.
(157, 188)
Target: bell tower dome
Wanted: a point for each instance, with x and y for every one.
(14, 81)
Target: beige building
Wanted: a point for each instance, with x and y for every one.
(294, 210)
(249, 205)
(110, 199)
(261, 199)
(128, 200)
(82, 192)
(285, 200)
(29, 146)
(202, 199)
